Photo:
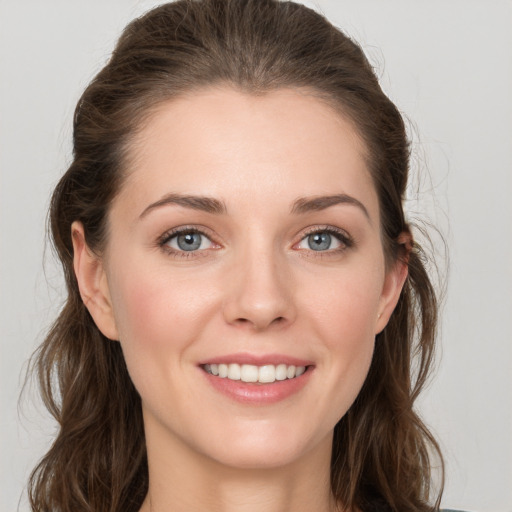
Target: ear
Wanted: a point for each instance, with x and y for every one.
(92, 283)
(393, 283)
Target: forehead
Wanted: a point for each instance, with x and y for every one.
(229, 144)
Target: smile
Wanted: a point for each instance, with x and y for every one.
(264, 374)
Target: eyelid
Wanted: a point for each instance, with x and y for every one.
(344, 238)
(341, 235)
(178, 230)
(164, 239)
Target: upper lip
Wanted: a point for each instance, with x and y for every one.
(257, 359)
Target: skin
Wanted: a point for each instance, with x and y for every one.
(253, 286)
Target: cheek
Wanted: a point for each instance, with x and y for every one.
(346, 303)
(152, 300)
(349, 338)
(158, 316)
(344, 319)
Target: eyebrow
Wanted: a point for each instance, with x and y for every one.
(318, 203)
(211, 205)
(202, 203)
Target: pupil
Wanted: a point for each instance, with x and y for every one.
(189, 241)
(319, 241)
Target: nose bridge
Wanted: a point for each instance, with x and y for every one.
(261, 291)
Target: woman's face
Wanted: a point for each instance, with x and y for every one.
(246, 240)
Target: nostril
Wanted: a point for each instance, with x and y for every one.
(259, 325)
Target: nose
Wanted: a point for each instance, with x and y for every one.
(259, 292)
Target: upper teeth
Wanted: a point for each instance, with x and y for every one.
(251, 373)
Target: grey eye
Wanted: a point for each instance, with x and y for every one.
(189, 241)
(319, 241)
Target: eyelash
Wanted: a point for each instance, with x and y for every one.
(169, 235)
(342, 236)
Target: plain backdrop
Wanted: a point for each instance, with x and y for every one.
(448, 66)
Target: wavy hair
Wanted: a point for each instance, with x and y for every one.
(382, 452)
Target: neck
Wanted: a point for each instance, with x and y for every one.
(181, 480)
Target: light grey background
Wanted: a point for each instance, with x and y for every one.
(447, 65)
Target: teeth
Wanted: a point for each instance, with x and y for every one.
(299, 371)
(251, 373)
(223, 370)
(281, 372)
(267, 373)
(234, 372)
(248, 372)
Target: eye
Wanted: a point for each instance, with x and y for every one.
(323, 240)
(319, 242)
(187, 240)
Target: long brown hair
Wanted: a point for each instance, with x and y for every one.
(382, 451)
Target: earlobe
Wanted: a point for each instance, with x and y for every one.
(92, 283)
(393, 284)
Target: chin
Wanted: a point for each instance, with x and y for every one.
(267, 448)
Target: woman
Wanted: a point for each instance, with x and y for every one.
(245, 294)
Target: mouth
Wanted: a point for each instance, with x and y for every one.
(253, 374)
(257, 379)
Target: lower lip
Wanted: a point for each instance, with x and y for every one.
(254, 393)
